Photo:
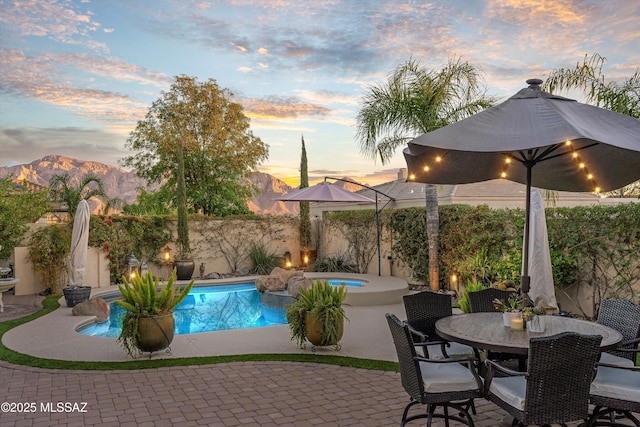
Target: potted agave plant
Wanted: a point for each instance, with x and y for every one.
(318, 315)
(148, 324)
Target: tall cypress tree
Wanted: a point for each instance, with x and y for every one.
(305, 217)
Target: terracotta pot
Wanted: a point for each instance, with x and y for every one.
(184, 269)
(313, 330)
(156, 332)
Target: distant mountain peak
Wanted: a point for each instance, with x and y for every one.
(125, 185)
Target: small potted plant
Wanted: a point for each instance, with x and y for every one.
(318, 315)
(148, 324)
(533, 319)
(510, 308)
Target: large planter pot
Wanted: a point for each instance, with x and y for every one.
(313, 330)
(156, 332)
(76, 294)
(184, 268)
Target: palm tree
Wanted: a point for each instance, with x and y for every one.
(415, 100)
(621, 97)
(63, 190)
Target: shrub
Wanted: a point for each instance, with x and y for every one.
(337, 264)
(262, 260)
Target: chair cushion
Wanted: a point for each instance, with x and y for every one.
(612, 359)
(617, 384)
(511, 390)
(456, 349)
(447, 377)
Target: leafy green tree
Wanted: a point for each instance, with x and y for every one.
(415, 100)
(20, 204)
(621, 97)
(305, 211)
(199, 121)
(64, 189)
(149, 203)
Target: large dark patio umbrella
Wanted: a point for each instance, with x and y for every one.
(534, 138)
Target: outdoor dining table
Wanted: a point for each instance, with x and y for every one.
(486, 331)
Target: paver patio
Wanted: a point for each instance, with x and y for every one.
(231, 394)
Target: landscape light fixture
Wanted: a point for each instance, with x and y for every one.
(144, 268)
(287, 259)
(132, 263)
(166, 254)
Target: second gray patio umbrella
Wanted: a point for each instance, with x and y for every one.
(534, 138)
(323, 192)
(326, 192)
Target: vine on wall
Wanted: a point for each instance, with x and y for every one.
(120, 235)
(359, 230)
(234, 237)
(593, 246)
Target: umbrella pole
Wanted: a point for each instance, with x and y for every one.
(525, 279)
(378, 232)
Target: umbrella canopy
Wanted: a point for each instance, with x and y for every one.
(323, 192)
(542, 291)
(534, 138)
(79, 243)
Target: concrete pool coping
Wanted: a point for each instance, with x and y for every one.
(366, 333)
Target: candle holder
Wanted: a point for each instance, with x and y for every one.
(516, 323)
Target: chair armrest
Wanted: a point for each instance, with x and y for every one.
(510, 372)
(414, 331)
(625, 368)
(492, 367)
(426, 344)
(626, 343)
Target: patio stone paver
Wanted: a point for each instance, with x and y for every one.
(233, 394)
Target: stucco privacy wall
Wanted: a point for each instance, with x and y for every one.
(221, 245)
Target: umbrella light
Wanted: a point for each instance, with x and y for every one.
(535, 138)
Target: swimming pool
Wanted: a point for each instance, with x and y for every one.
(206, 309)
(348, 283)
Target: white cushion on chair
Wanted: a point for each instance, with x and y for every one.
(617, 384)
(446, 377)
(454, 350)
(511, 390)
(612, 359)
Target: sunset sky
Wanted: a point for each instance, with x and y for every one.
(77, 75)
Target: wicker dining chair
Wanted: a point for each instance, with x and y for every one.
(615, 392)
(555, 389)
(423, 310)
(448, 383)
(623, 316)
(482, 301)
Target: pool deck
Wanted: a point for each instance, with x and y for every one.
(54, 336)
(291, 394)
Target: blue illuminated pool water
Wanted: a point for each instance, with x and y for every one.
(348, 283)
(206, 309)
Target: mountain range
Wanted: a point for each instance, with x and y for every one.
(126, 185)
